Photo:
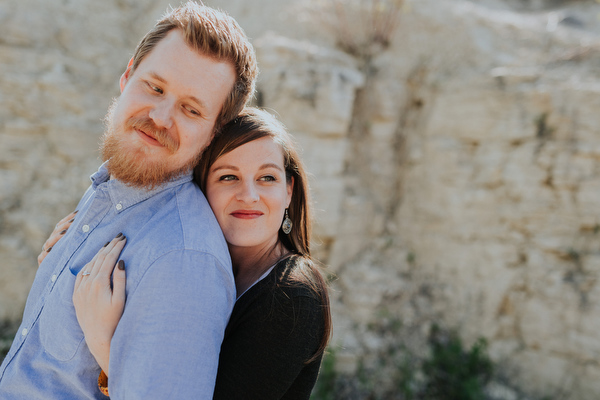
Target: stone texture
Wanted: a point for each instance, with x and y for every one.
(456, 174)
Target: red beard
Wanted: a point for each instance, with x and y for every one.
(133, 166)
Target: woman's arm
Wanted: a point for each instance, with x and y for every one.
(98, 306)
(265, 349)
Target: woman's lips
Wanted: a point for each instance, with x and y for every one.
(147, 138)
(246, 214)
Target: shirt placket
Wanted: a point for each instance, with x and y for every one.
(85, 223)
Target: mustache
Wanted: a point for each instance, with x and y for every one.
(149, 127)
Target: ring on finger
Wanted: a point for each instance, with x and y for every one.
(86, 273)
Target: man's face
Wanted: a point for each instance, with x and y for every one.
(166, 113)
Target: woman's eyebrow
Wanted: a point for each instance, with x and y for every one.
(271, 165)
(225, 167)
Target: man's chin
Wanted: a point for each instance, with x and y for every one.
(143, 175)
(139, 167)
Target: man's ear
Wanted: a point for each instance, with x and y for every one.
(125, 76)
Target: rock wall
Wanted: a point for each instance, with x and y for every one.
(456, 172)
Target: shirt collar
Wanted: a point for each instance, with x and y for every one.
(127, 196)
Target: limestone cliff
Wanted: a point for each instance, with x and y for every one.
(456, 173)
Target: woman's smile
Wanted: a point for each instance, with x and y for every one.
(246, 214)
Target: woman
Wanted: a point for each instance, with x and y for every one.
(272, 348)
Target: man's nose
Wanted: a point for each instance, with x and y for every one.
(162, 114)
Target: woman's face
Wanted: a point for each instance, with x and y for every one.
(248, 193)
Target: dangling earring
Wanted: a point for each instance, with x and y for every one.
(286, 227)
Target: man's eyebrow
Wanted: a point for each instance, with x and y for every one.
(159, 78)
(156, 76)
(197, 101)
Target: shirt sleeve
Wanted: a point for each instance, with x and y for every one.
(268, 348)
(167, 343)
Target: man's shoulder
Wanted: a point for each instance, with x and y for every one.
(185, 203)
(180, 219)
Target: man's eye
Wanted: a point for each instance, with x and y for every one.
(155, 88)
(191, 110)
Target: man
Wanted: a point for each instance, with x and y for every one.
(193, 72)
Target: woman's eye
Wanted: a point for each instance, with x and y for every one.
(268, 178)
(228, 178)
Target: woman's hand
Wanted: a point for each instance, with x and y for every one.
(98, 305)
(59, 231)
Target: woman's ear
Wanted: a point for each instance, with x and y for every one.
(125, 76)
(290, 189)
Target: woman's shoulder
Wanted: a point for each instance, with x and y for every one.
(293, 280)
(297, 276)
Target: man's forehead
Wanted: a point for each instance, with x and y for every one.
(202, 78)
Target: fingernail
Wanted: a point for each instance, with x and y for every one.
(49, 249)
(118, 236)
(123, 238)
(63, 232)
(75, 212)
(121, 265)
(106, 244)
(72, 220)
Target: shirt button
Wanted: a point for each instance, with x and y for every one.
(85, 228)
(119, 206)
(53, 278)
(24, 332)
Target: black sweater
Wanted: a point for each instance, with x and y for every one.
(274, 328)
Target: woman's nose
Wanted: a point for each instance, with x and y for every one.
(248, 192)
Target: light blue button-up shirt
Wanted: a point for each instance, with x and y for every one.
(180, 293)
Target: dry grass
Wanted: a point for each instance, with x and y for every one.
(361, 27)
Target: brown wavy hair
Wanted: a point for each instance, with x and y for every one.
(253, 124)
(214, 34)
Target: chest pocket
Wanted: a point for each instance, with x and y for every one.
(60, 333)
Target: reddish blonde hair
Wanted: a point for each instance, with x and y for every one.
(214, 34)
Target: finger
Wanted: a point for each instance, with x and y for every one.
(80, 275)
(54, 237)
(47, 244)
(41, 257)
(78, 280)
(68, 219)
(64, 225)
(103, 253)
(108, 265)
(59, 231)
(119, 281)
(85, 272)
(44, 253)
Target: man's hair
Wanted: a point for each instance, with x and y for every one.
(217, 35)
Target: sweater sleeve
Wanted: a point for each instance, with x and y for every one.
(265, 352)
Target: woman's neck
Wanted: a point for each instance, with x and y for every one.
(249, 264)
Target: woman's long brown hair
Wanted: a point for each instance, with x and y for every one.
(253, 124)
